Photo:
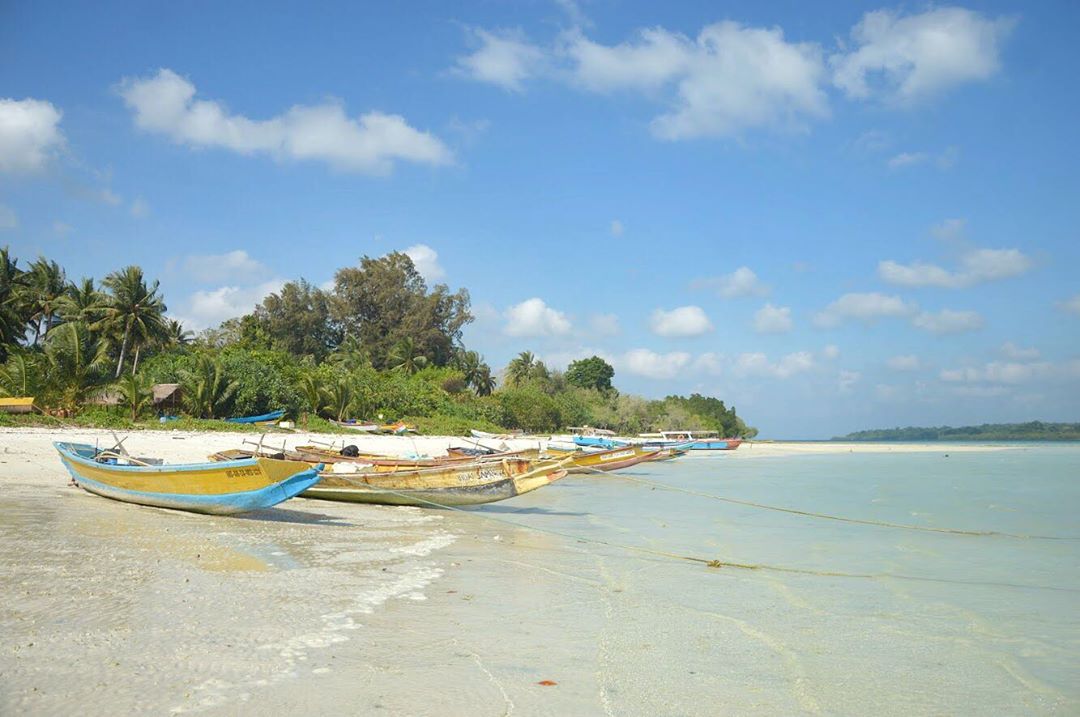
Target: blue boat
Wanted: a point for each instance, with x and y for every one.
(599, 442)
(694, 440)
(221, 488)
(265, 418)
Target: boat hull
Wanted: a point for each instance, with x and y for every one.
(216, 488)
(271, 417)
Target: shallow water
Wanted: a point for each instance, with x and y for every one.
(327, 607)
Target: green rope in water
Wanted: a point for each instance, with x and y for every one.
(707, 562)
(826, 516)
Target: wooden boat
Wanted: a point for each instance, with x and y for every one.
(362, 426)
(698, 440)
(496, 436)
(234, 486)
(271, 417)
(610, 460)
(17, 404)
(599, 442)
(455, 485)
(382, 463)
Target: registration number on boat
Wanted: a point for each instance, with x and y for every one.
(241, 472)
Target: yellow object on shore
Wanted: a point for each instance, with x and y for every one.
(20, 404)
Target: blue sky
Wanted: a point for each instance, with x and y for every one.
(833, 216)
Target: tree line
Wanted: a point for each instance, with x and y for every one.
(1030, 431)
(379, 342)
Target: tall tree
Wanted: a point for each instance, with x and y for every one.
(175, 335)
(46, 286)
(593, 372)
(297, 320)
(520, 368)
(82, 302)
(13, 319)
(133, 311)
(385, 300)
(405, 357)
(78, 362)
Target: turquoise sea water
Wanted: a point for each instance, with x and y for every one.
(949, 624)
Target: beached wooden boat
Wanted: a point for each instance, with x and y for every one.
(362, 426)
(698, 440)
(17, 404)
(496, 436)
(383, 463)
(609, 460)
(455, 485)
(271, 417)
(222, 488)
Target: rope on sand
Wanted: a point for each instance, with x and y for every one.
(707, 562)
(826, 516)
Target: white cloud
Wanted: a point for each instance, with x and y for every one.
(908, 59)
(604, 324)
(616, 228)
(426, 261)
(908, 362)
(8, 219)
(61, 229)
(741, 282)
(206, 309)
(533, 317)
(1011, 351)
(165, 104)
(729, 79)
(504, 58)
(710, 363)
(976, 266)
(1071, 305)
(948, 321)
(945, 160)
(949, 229)
(236, 266)
(643, 362)
(999, 372)
(29, 134)
(771, 319)
(831, 351)
(683, 321)
(846, 379)
(867, 308)
(139, 208)
(758, 364)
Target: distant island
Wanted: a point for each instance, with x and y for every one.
(1031, 431)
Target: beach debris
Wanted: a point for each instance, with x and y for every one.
(547, 683)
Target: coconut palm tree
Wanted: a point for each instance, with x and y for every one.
(82, 302)
(350, 355)
(21, 374)
(133, 311)
(176, 335)
(521, 367)
(406, 358)
(313, 393)
(206, 387)
(46, 286)
(339, 398)
(137, 392)
(12, 283)
(77, 362)
(484, 382)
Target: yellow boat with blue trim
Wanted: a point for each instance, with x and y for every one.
(218, 488)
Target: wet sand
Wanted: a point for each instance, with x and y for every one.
(323, 607)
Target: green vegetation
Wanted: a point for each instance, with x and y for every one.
(380, 345)
(1032, 431)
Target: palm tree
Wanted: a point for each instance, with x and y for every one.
(406, 358)
(520, 368)
(314, 394)
(176, 335)
(82, 302)
(484, 383)
(339, 398)
(44, 292)
(12, 283)
(137, 392)
(206, 387)
(77, 362)
(134, 310)
(350, 355)
(21, 375)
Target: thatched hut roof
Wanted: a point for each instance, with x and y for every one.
(164, 392)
